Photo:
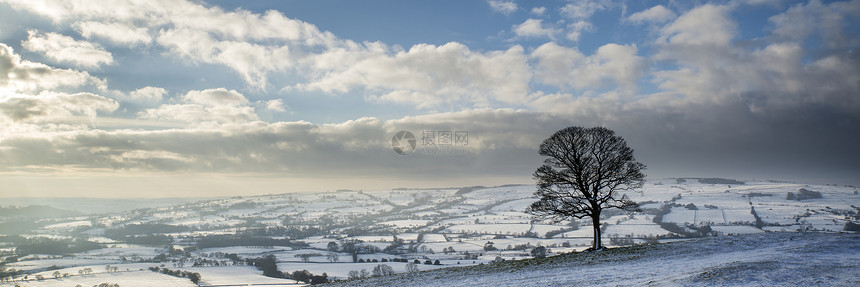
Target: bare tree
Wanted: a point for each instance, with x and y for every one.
(333, 257)
(382, 270)
(411, 267)
(583, 174)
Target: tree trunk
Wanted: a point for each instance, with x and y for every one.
(595, 223)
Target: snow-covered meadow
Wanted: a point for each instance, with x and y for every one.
(343, 232)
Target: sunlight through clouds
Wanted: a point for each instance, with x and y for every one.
(193, 86)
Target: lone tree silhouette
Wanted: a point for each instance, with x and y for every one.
(583, 175)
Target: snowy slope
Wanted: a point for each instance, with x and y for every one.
(764, 259)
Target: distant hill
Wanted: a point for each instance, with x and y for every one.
(36, 211)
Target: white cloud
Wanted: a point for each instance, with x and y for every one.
(66, 49)
(18, 75)
(504, 7)
(36, 98)
(253, 45)
(581, 10)
(211, 106)
(54, 107)
(538, 11)
(656, 15)
(252, 61)
(706, 25)
(216, 97)
(775, 75)
(534, 28)
(115, 32)
(430, 76)
(276, 105)
(568, 68)
(147, 95)
(575, 30)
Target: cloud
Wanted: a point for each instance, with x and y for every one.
(568, 68)
(206, 107)
(147, 95)
(252, 61)
(253, 45)
(119, 33)
(825, 20)
(580, 10)
(18, 75)
(276, 105)
(538, 11)
(706, 25)
(62, 48)
(429, 76)
(655, 15)
(52, 107)
(216, 97)
(356, 147)
(504, 7)
(786, 99)
(775, 75)
(36, 98)
(534, 28)
(575, 30)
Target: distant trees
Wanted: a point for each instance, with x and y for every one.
(308, 277)
(306, 257)
(353, 274)
(382, 270)
(583, 174)
(333, 257)
(193, 276)
(411, 267)
(269, 266)
(489, 246)
(803, 194)
(8, 274)
(39, 245)
(332, 246)
(303, 275)
(539, 252)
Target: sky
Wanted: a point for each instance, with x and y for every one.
(212, 98)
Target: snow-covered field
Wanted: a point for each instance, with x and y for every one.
(319, 232)
(764, 259)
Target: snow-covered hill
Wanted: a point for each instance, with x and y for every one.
(765, 259)
(346, 231)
